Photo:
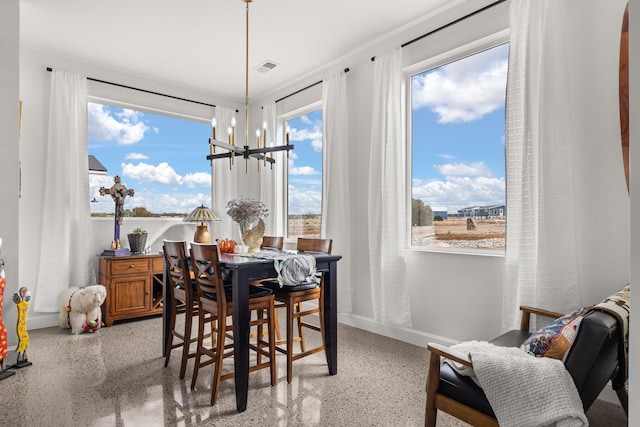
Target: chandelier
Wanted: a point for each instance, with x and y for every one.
(261, 150)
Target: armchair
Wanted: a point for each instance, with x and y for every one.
(592, 361)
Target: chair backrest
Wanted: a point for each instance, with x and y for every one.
(275, 242)
(314, 245)
(593, 358)
(205, 262)
(179, 275)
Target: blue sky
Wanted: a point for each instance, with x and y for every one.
(458, 132)
(305, 164)
(163, 160)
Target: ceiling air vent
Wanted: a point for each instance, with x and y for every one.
(266, 66)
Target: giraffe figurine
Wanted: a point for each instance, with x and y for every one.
(22, 299)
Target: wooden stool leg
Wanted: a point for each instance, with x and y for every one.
(186, 343)
(196, 367)
(289, 342)
(298, 307)
(172, 316)
(277, 325)
(272, 343)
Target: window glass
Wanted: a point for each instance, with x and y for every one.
(304, 195)
(161, 158)
(457, 164)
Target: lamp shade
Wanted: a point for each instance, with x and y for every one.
(201, 214)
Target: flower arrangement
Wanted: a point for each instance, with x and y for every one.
(245, 211)
(139, 230)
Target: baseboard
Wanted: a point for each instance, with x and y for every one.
(407, 335)
(43, 320)
(609, 395)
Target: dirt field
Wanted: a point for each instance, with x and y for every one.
(304, 226)
(450, 233)
(489, 234)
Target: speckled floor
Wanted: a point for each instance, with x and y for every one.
(116, 377)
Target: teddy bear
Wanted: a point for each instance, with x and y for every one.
(80, 308)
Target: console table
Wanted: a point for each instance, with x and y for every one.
(134, 286)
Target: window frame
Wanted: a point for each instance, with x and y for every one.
(174, 114)
(462, 50)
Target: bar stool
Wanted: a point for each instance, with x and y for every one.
(182, 296)
(292, 298)
(214, 306)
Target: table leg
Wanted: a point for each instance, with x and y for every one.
(241, 318)
(331, 317)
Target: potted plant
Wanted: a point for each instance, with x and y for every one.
(137, 240)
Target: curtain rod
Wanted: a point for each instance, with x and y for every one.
(145, 91)
(346, 70)
(469, 15)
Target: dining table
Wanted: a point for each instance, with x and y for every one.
(243, 269)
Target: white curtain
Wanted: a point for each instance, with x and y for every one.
(335, 179)
(271, 178)
(387, 200)
(65, 255)
(540, 264)
(224, 184)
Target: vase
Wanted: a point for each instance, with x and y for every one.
(137, 242)
(251, 235)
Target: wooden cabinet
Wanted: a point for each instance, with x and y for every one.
(134, 286)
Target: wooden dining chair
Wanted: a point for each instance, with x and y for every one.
(272, 242)
(216, 307)
(292, 297)
(182, 299)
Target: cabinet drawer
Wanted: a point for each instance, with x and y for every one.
(157, 265)
(129, 266)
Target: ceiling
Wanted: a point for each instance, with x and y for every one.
(200, 44)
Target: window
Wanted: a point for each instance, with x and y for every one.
(457, 152)
(161, 158)
(304, 195)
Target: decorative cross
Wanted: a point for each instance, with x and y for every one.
(118, 193)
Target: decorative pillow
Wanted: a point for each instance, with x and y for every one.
(555, 339)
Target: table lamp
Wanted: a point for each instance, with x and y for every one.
(202, 214)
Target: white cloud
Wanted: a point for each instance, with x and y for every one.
(161, 174)
(462, 169)
(304, 201)
(464, 90)
(312, 133)
(302, 170)
(164, 174)
(125, 127)
(459, 192)
(198, 178)
(136, 156)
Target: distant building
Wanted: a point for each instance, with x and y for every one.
(439, 210)
(483, 212)
(95, 167)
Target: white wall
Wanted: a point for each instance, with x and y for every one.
(9, 171)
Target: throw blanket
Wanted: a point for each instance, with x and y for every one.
(618, 305)
(295, 269)
(523, 390)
